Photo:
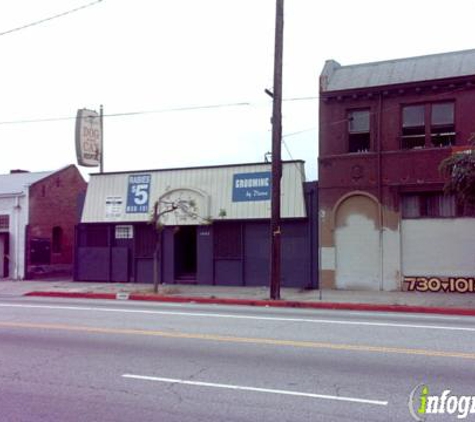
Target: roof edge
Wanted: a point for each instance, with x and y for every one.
(404, 85)
(402, 59)
(196, 168)
(54, 172)
(328, 70)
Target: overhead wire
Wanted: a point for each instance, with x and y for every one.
(144, 112)
(288, 135)
(130, 113)
(59, 15)
(174, 109)
(301, 170)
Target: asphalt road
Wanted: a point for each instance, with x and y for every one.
(79, 360)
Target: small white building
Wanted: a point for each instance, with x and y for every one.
(38, 212)
(14, 209)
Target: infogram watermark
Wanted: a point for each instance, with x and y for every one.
(424, 406)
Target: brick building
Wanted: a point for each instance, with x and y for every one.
(384, 129)
(38, 213)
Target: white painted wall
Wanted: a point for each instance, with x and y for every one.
(392, 279)
(327, 258)
(438, 247)
(358, 262)
(17, 208)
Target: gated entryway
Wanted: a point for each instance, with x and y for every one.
(185, 254)
(103, 254)
(357, 242)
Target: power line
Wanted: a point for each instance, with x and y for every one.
(131, 113)
(47, 119)
(144, 112)
(287, 149)
(288, 135)
(299, 169)
(186, 108)
(302, 98)
(59, 15)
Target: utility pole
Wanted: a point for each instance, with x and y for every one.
(275, 224)
(101, 162)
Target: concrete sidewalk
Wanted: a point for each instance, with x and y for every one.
(444, 303)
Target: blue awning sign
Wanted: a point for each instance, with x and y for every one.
(252, 186)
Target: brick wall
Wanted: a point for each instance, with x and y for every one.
(54, 205)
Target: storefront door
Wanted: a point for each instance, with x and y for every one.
(185, 254)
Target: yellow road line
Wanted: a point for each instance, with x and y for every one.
(249, 340)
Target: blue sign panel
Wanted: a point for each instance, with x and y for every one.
(252, 186)
(138, 193)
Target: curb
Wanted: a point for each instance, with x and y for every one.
(261, 303)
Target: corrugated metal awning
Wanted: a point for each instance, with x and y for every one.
(234, 192)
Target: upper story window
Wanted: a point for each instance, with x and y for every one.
(428, 125)
(442, 128)
(359, 130)
(413, 126)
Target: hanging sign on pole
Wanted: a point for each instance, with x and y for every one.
(88, 138)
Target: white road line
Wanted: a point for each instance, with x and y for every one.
(242, 317)
(256, 389)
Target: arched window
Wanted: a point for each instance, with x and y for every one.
(57, 239)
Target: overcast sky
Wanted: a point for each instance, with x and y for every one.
(156, 55)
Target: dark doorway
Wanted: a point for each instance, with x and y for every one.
(40, 251)
(4, 261)
(185, 254)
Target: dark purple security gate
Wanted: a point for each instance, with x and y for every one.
(234, 253)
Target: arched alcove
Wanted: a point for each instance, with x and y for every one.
(357, 243)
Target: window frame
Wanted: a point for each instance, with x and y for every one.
(430, 205)
(356, 138)
(4, 222)
(124, 231)
(412, 131)
(445, 132)
(431, 135)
